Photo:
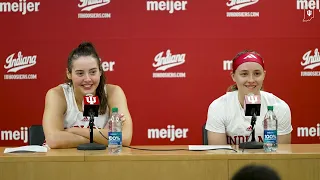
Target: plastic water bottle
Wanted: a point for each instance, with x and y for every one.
(114, 132)
(270, 125)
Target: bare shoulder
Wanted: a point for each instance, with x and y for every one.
(56, 92)
(56, 96)
(114, 89)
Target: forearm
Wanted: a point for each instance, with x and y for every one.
(97, 137)
(85, 132)
(64, 139)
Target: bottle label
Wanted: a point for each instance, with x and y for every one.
(115, 138)
(270, 136)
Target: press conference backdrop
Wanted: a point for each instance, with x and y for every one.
(172, 59)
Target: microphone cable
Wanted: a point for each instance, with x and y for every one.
(145, 149)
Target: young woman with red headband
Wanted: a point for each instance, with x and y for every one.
(226, 121)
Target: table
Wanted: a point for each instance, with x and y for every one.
(292, 161)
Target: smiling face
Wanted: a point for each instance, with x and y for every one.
(85, 75)
(249, 78)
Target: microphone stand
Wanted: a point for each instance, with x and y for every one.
(253, 122)
(91, 145)
(91, 122)
(253, 144)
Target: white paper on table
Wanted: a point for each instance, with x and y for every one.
(208, 147)
(23, 149)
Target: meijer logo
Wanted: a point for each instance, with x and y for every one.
(17, 135)
(238, 4)
(88, 5)
(308, 4)
(21, 6)
(108, 65)
(171, 133)
(170, 6)
(309, 131)
(20, 62)
(227, 65)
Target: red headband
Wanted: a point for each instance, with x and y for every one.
(247, 57)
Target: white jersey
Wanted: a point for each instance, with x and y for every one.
(73, 117)
(226, 115)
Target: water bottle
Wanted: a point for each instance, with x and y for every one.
(270, 126)
(114, 132)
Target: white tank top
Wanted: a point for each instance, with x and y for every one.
(73, 117)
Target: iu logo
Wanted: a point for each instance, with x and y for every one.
(91, 99)
(253, 99)
(308, 15)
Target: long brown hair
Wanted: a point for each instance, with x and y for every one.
(234, 86)
(87, 49)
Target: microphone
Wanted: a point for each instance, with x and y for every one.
(91, 109)
(252, 105)
(91, 105)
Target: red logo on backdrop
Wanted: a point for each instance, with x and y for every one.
(309, 7)
(15, 63)
(162, 63)
(235, 5)
(87, 6)
(249, 128)
(310, 62)
(308, 15)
